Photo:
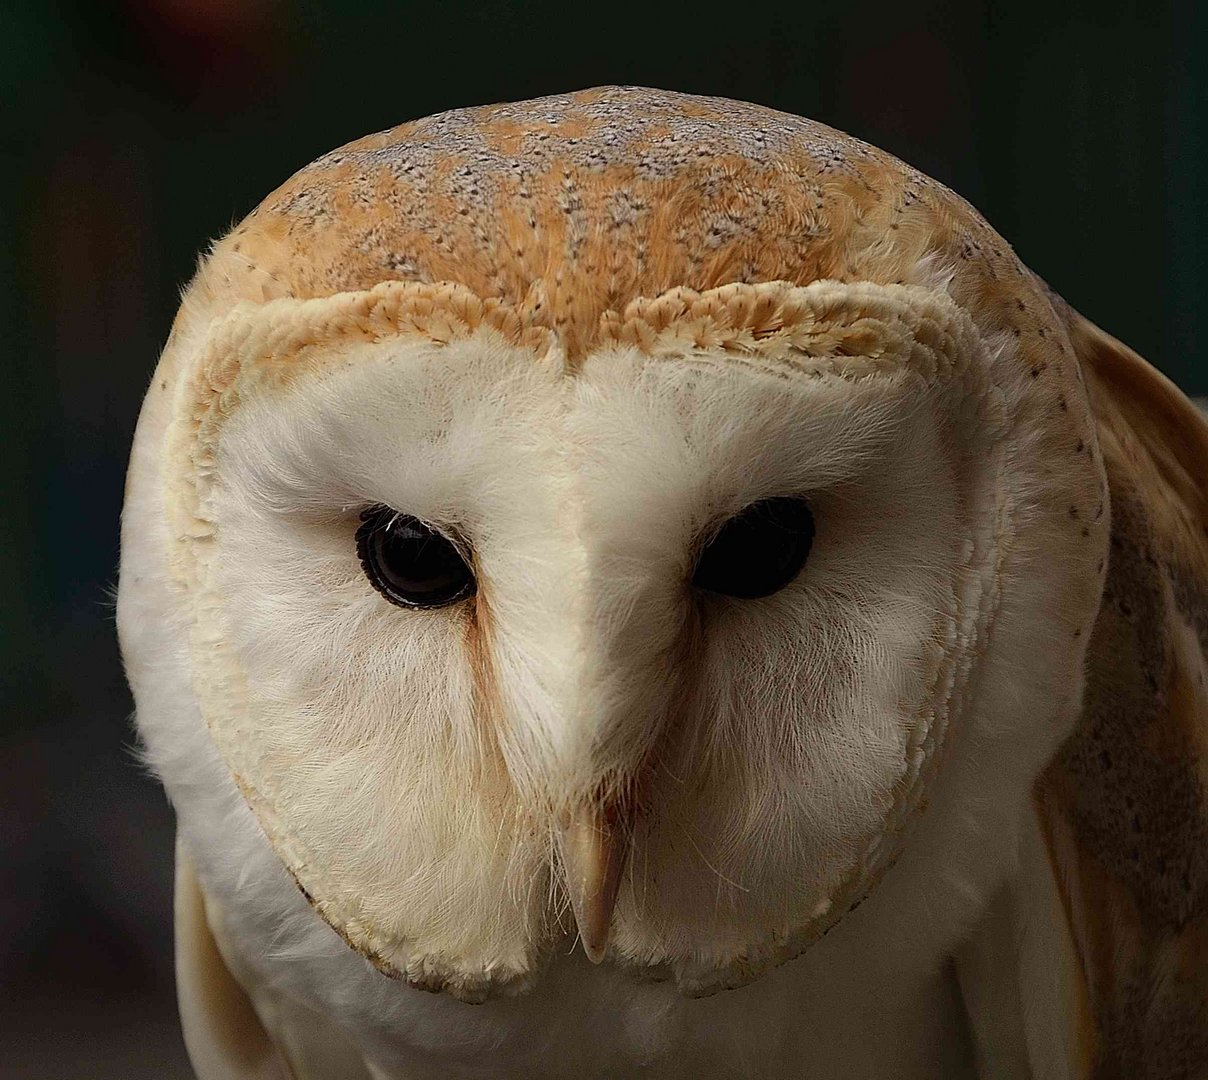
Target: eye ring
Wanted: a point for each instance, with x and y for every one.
(410, 562)
(758, 551)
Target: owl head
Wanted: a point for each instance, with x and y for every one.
(652, 517)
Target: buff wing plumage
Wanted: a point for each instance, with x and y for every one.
(1124, 806)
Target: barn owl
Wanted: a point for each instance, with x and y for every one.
(638, 584)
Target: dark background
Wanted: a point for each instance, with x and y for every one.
(132, 133)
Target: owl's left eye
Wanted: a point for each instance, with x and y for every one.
(409, 562)
(758, 552)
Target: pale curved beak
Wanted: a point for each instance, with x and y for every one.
(594, 845)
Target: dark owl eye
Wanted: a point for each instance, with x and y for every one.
(410, 563)
(759, 551)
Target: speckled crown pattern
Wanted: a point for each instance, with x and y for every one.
(572, 217)
(569, 208)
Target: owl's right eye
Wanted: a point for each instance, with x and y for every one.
(409, 562)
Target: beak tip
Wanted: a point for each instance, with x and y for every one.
(593, 917)
(595, 950)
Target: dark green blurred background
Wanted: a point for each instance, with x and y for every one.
(133, 133)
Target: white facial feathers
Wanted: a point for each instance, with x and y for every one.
(414, 769)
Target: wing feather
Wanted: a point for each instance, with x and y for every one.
(1124, 807)
(223, 1034)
